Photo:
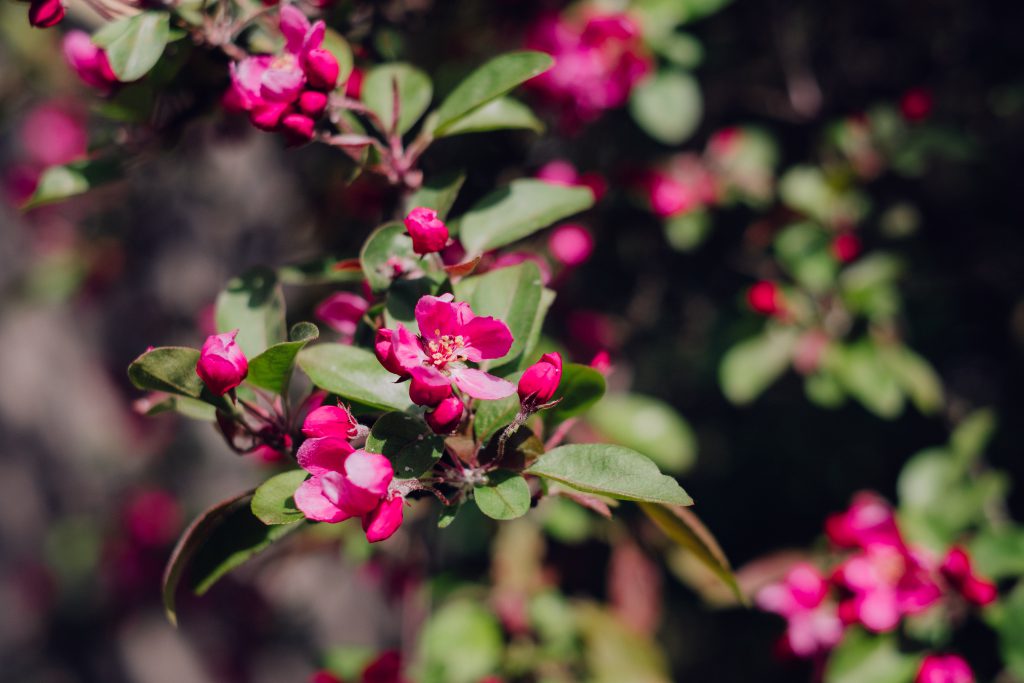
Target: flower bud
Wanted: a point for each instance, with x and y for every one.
(298, 128)
(571, 244)
(313, 103)
(429, 234)
(956, 569)
(267, 115)
(321, 69)
(916, 104)
(446, 416)
(342, 312)
(361, 483)
(765, 298)
(88, 61)
(423, 394)
(45, 13)
(540, 381)
(385, 352)
(944, 669)
(384, 520)
(846, 247)
(222, 365)
(354, 84)
(330, 421)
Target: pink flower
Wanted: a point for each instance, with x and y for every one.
(342, 312)
(386, 668)
(88, 61)
(868, 522)
(53, 135)
(450, 336)
(812, 624)
(153, 517)
(354, 84)
(333, 421)
(313, 103)
(561, 172)
(45, 13)
(846, 247)
(429, 234)
(956, 569)
(384, 349)
(446, 416)
(765, 298)
(540, 381)
(944, 669)
(887, 583)
(383, 521)
(424, 394)
(571, 244)
(222, 365)
(322, 69)
(916, 104)
(345, 483)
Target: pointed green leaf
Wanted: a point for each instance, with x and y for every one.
(648, 426)
(511, 295)
(414, 94)
(272, 369)
(58, 183)
(581, 387)
(748, 368)
(503, 113)
(134, 44)
(273, 502)
(253, 304)
(354, 374)
(506, 495)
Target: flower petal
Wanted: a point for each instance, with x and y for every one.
(282, 84)
(488, 338)
(407, 349)
(437, 316)
(323, 455)
(479, 384)
(294, 26)
(311, 500)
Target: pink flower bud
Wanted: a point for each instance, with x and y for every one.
(384, 520)
(540, 381)
(846, 247)
(944, 669)
(765, 298)
(45, 13)
(313, 103)
(298, 128)
(360, 484)
(446, 416)
(426, 394)
(321, 69)
(88, 61)
(267, 115)
(385, 351)
(916, 104)
(330, 421)
(342, 311)
(429, 234)
(354, 84)
(571, 244)
(222, 365)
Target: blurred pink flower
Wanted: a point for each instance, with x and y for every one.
(152, 517)
(52, 135)
(88, 61)
(887, 583)
(561, 172)
(868, 522)
(571, 244)
(342, 312)
(429, 233)
(944, 669)
(812, 623)
(957, 570)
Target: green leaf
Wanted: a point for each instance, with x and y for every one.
(493, 415)
(862, 657)
(750, 367)
(689, 230)
(863, 373)
(682, 49)
(438, 193)
(488, 82)
(220, 539)
(667, 106)
(511, 295)
(273, 502)
(503, 113)
(511, 213)
(804, 250)
(478, 635)
(414, 94)
(272, 369)
(58, 183)
(647, 425)
(355, 374)
(172, 370)
(972, 435)
(183, 405)
(408, 443)
(999, 553)
(254, 305)
(506, 495)
(916, 377)
(1011, 631)
(447, 515)
(684, 527)
(134, 44)
(581, 387)
(611, 471)
(547, 297)
(321, 271)
(388, 241)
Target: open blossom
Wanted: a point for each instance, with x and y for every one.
(944, 669)
(869, 521)
(812, 623)
(222, 366)
(450, 337)
(429, 233)
(887, 583)
(88, 61)
(597, 63)
(342, 312)
(540, 381)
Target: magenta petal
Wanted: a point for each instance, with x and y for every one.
(488, 338)
(436, 317)
(282, 84)
(479, 384)
(407, 349)
(323, 455)
(384, 520)
(311, 500)
(294, 26)
(314, 37)
(367, 476)
(247, 76)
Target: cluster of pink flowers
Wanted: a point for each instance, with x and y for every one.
(346, 482)
(682, 186)
(290, 91)
(880, 580)
(598, 60)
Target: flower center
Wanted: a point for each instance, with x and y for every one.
(445, 349)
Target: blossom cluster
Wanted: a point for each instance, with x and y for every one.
(877, 581)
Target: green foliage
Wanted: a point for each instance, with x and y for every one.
(272, 369)
(461, 643)
(254, 305)
(134, 44)
(388, 241)
(438, 192)
(580, 388)
(647, 425)
(273, 501)
(58, 183)
(506, 495)
(407, 442)
(355, 374)
(864, 657)
(414, 94)
(668, 106)
(750, 367)
(503, 113)
(492, 416)
(611, 471)
(1010, 626)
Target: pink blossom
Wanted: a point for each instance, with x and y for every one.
(957, 570)
(354, 84)
(868, 522)
(88, 61)
(345, 482)
(540, 381)
(809, 352)
(53, 135)
(765, 298)
(152, 516)
(298, 128)
(334, 421)
(561, 172)
(384, 349)
(342, 311)
(313, 103)
(425, 394)
(916, 104)
(446, 416)
(45, 13)
(571, 244)
(944, 669)
(887, 583)
(429, 233)
(383, 520)
(812, 623)
(450, 336)
(322, 69)
(222, 365)
(846, 247)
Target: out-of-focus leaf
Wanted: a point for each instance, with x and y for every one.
(686, 529)
(869, 285)
(58, 183)
(681, 49)
(612, 471)
(972, 436)
(688, 231)
(506, 495)
(503, 113)
(321, 271)
(615, 653)
(389, 241)
(488, 82)
(862, 657)
(808, 190)
(134, 44)
(355, 374)
(438, 193)
(510, 294)
(916, 376)
(478, 635)
(272, 369)
(999, 553)
(750, 367)
(547, 297)
(189, 407)
(803, 249)
(408, 443)
(864, 375)
(647, 425)
(254, 305)
(511, 213)
(668, 106)
(414, 94)
(581, 387)
(1011, 631)
(273, 502)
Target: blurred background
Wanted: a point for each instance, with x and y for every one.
(93, 494)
